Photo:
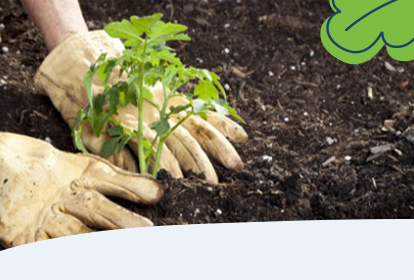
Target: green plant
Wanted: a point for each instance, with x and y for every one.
(146, 60)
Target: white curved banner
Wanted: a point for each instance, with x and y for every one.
(278, 250)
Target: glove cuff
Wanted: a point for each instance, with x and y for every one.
(61, 74)
(44, 81)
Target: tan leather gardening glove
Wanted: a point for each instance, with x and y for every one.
(61, 76)
(46, 193)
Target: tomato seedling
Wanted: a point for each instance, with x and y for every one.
(146, 61)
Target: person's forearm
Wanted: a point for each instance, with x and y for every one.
(56, 19)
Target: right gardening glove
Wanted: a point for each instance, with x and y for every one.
(61, 76)
(46, 193)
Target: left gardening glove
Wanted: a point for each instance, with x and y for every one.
(61, 76)
(46, 193)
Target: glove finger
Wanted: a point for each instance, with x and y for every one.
(124, 159)
(190, 154)
(211, 135)
(96, 211)
(109, 180)
(59, 224)
(222, 123)
(227, 127)
(21, 239)
(41, 235)
(213, 142)
(168, 161)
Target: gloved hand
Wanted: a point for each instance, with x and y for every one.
(46, 193)
(61, 76)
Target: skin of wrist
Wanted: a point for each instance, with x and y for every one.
(56, 19)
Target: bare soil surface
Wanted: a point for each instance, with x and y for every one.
(315, 123)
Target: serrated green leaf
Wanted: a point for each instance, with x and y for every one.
(165, 55)
(214, 76)
(180, 37)
(206, 90)
(97, 117)
(220, 87)
(147, 151)
(161, 127)
(109, 147)
(95, 66)
(98, 122)
(219, 107)
(146, 93)
(105, 71)
(125, 139)
(147, 145)
(124, 95)
(153, 75)
(234, 114)
(198, 105)
(116, 130)
(124, 30)
(207, 74)
(127, 54)
(90, 75)
(79, 143)
(117, 95)
(144, 24)
(112, 98)
(169, 75)
(80, 116)
(165, 31)
(203, 114)
(98, 103)
(133, 88)
(87, 83)
(188, 96)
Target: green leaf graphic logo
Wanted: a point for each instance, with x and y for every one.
(359, 29)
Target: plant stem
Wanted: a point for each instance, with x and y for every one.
(158, 157)
(141, 156)
(162, 141)
(153, 104)
(177, 125)
(148, 155)
(153, 142)
(132, 133)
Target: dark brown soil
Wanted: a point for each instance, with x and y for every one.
(295, 97)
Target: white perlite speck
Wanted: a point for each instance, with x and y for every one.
(267, 158)
(312, 53)
(389, 67)
(330, 140)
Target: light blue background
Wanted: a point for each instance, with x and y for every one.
(278, 250)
